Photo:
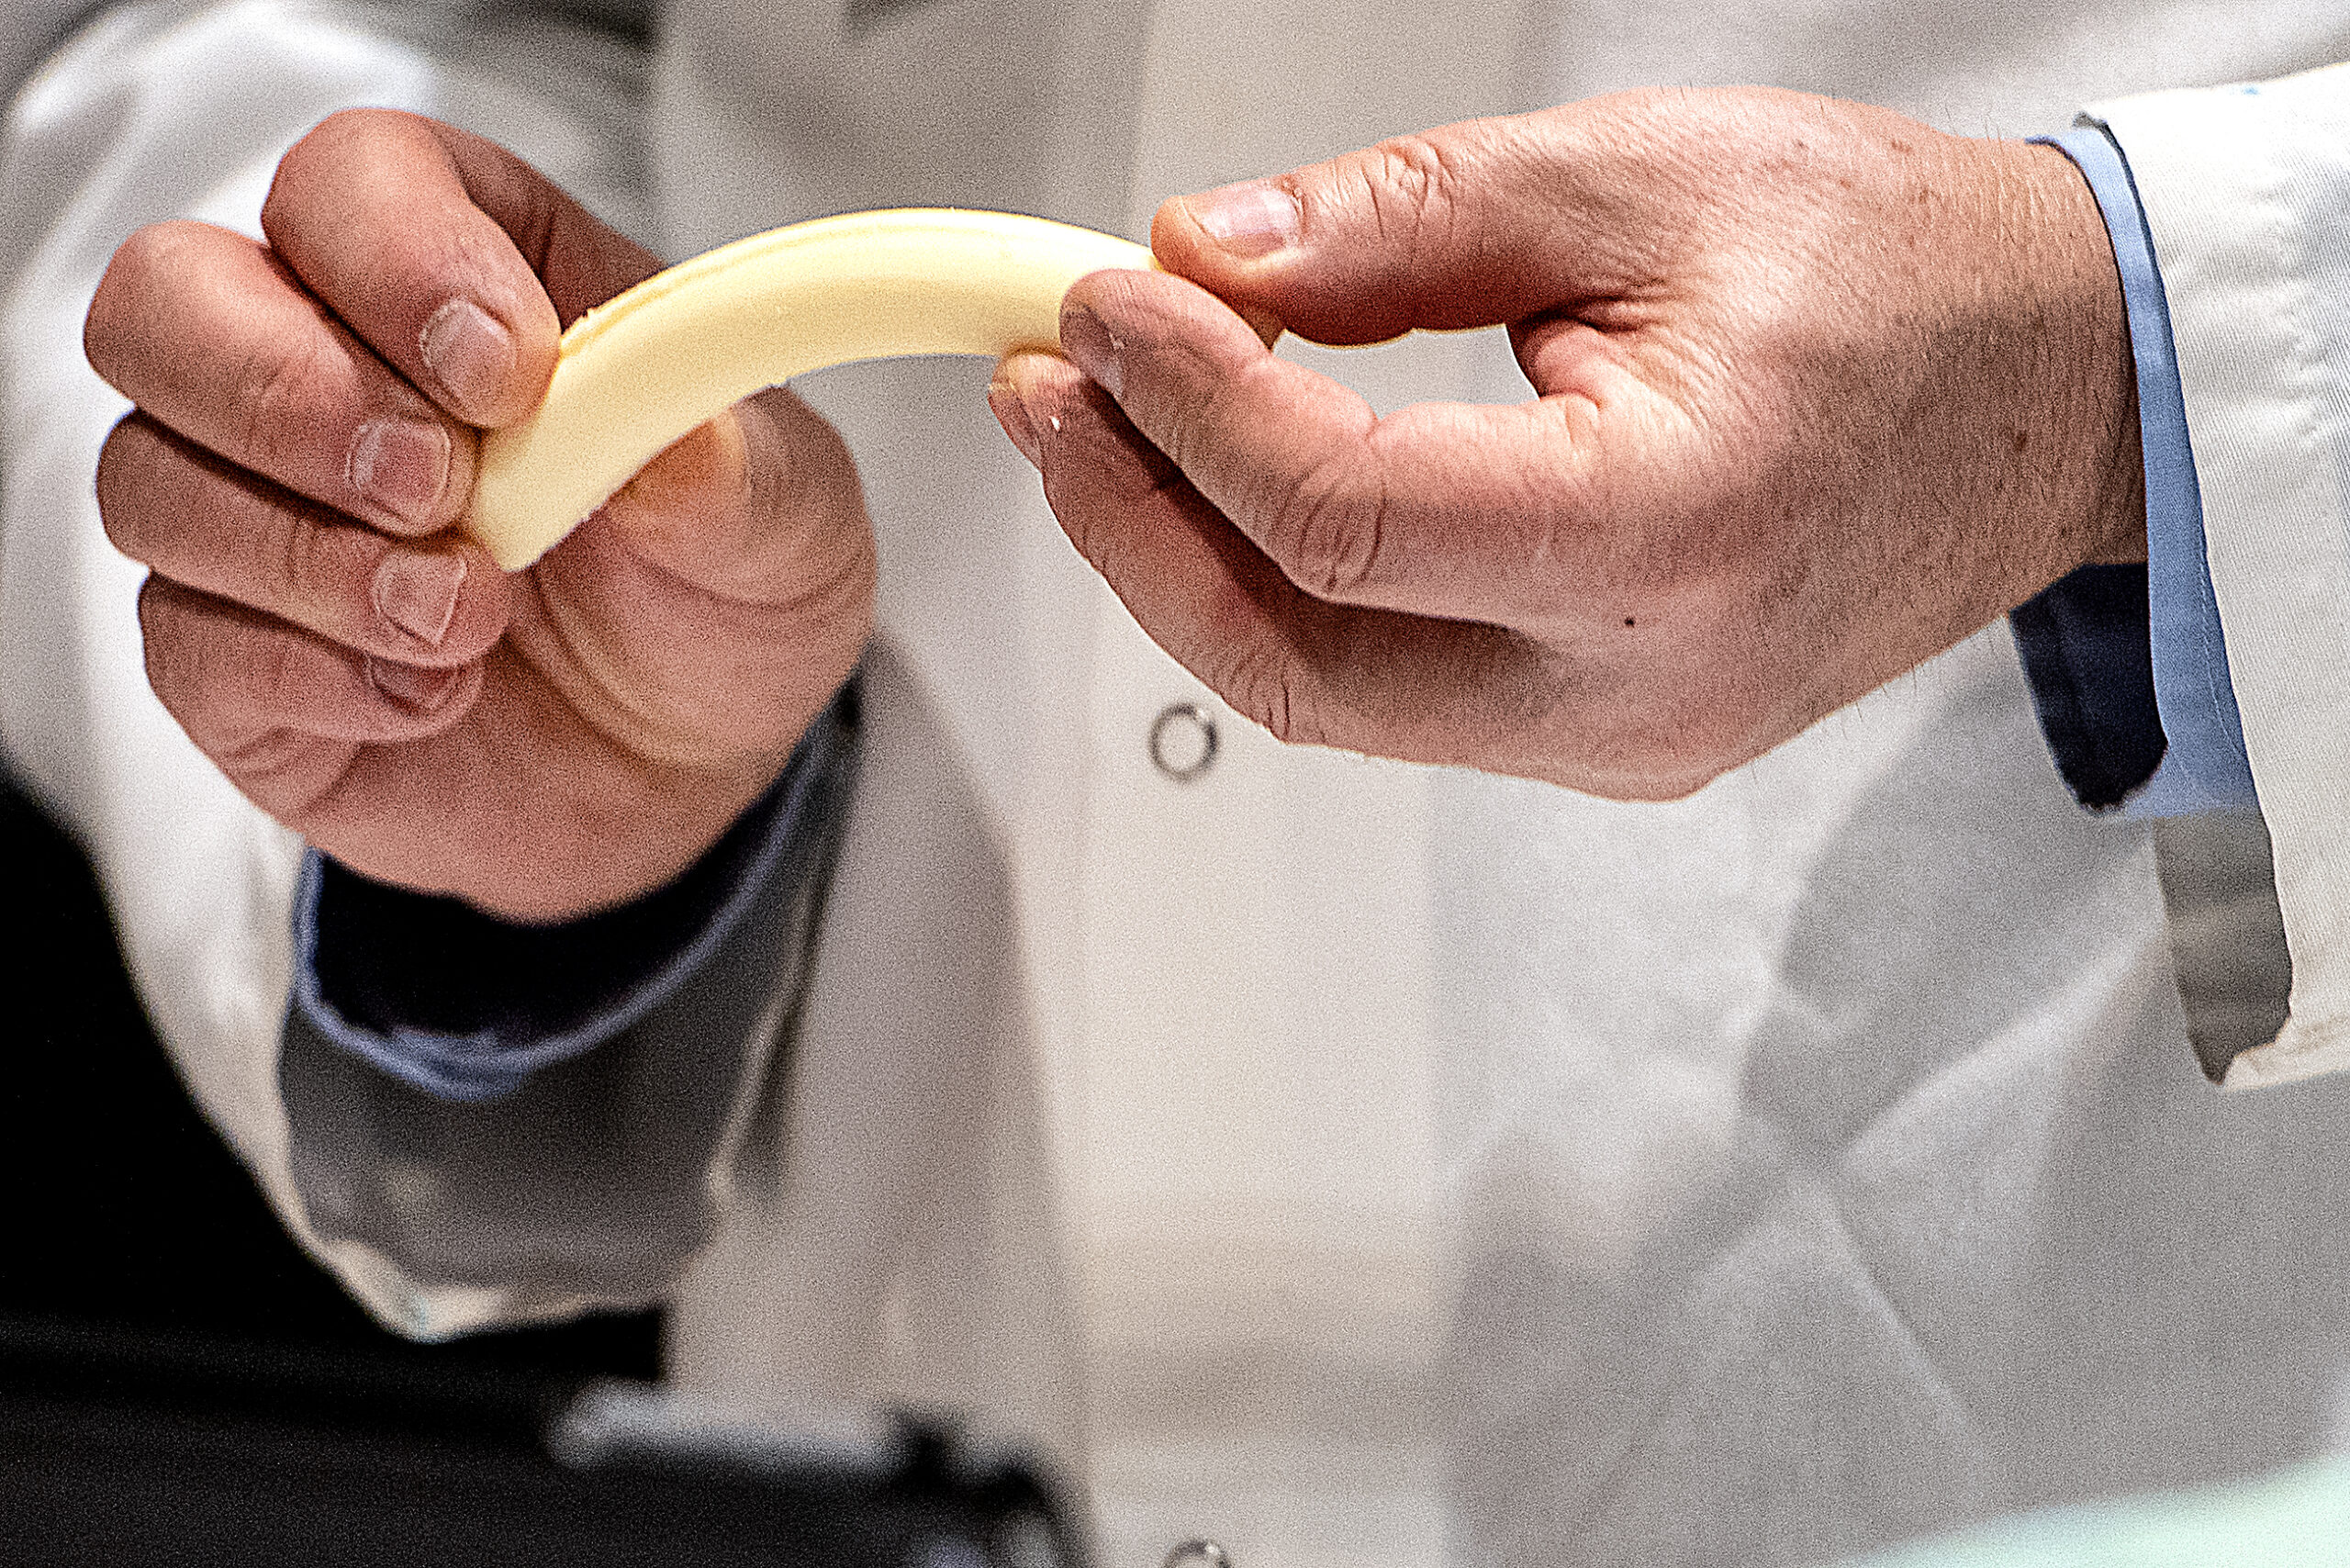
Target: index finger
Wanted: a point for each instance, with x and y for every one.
(431, 244)
(1440, 508)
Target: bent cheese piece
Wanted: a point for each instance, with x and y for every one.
(646, 366)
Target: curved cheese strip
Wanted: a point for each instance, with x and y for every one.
(646, 366)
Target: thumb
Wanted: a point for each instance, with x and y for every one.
(761, 506)
(1468, 225)
(711, 607)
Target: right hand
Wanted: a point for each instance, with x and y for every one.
(308, 411)
(1820, 390)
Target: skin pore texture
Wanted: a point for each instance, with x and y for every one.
(541, 744)
(1818, 391)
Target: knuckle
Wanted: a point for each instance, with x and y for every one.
(1327, 527)
(312, 570)
(148, 251)
(278, 392)
(1412, 191)
(337, 127)
(361, 121)
(168, 646)
(219, 674)
(119, 307)
(123, 486)
(326, 140)
(1200, 403)
(309, 191)
(264, 675)
(271, 766)
(1265, 685)
(798, 464)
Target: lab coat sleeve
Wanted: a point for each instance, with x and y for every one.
(439, 1218)
(2129, 663)
(2246, 193)
(468, 1007)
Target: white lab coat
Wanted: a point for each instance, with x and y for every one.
(1353, 1162)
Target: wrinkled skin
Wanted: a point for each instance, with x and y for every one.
(308, 412)
(1820, 392)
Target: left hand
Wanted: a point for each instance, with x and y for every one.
(542, 744)
(1821, 391)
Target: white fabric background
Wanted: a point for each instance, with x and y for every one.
(1359, 1164)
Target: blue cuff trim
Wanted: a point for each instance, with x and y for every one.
(465, 1007)
(2206, 765)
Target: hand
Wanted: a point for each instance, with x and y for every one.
(1821, 391)
(541, 744)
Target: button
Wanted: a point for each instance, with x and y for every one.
(1182, 745)
(1205, 1553)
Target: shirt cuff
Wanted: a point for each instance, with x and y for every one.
(465, 1006)
(2083, 645)
(2137, 707)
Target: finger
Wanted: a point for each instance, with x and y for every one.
(208, 333)
(761, 504)
(714, 603)
(1438, 509)
(1369, 680)
(1467, 225)
(281, 711)
(203, 524)
(453, 259)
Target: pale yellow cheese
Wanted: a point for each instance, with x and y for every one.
(648, 365)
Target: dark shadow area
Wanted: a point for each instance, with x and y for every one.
(179, 1384)
(124, 1209)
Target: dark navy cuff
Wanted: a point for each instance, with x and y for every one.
(2087, 660)
(2137, 705)
(465, 1006)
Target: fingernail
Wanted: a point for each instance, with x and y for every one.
(1012, 413)
(471, 353)
(416, 590)
(402, 465)
(1091, 349)
(1250, 219)
(417, 690)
